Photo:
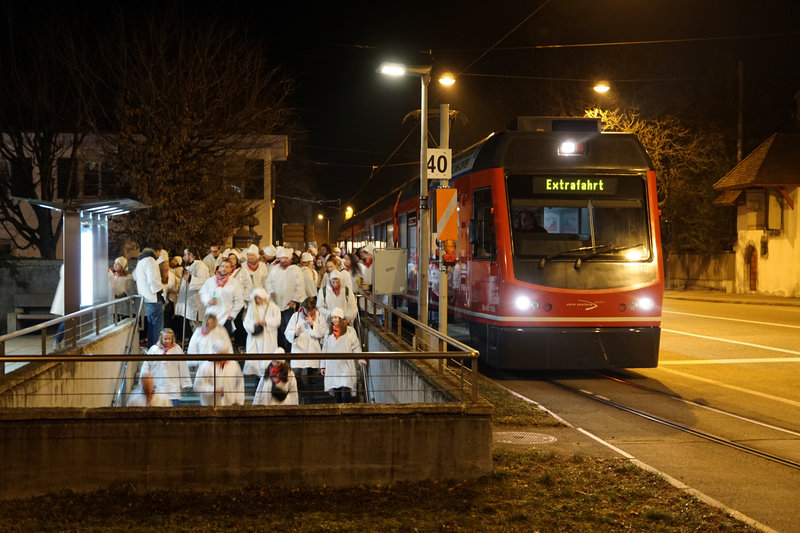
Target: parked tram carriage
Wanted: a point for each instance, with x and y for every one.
(559, 250)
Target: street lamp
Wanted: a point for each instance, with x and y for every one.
(424, 73)
(602, 87)
(321, 217)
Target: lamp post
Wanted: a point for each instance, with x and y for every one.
(423, 241)
(322, 217)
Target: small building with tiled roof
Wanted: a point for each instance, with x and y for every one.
(765, 188)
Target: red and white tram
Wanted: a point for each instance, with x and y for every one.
(559, 249)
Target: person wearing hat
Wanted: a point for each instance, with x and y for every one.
(335, 295)
(120, 280)
(305, 330)
(261, 323)
(340, 375)
(333, 263)
(309, 274)
(278, 385)
(270, 253)
(210, 338)
(148, 284)
(254, 270)
(176, 267)
(285, 286)
(222, 296)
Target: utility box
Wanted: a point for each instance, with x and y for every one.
(390, 271)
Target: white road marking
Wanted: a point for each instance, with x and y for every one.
(730, 361)
(733, 387)
(733, 319)
(740, 343)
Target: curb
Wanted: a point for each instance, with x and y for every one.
(789, 302)
(733, 513)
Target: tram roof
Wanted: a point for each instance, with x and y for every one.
(529, 150)
(536, 151)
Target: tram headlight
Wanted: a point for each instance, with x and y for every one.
(646, 304)
(523, 303)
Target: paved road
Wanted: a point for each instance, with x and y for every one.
(720, 358)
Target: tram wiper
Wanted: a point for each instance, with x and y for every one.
(594, 250)
(609, 249)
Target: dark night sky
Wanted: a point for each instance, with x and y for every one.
(353, 116)
(349, 117)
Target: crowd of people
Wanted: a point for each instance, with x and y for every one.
(252, 301)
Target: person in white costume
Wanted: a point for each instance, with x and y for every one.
(194, 275)
(169, 376)
(145, 395)
(261, 323)
(213, 259)
(341, 375)
(332, 264)
(222, 296)
(285, 286)
(278, 385)
(121, 281)
(254, 271)
(219, 383)
(305, 330)
(270, 252)
(309, 274)
(209, 339)
(335, 295)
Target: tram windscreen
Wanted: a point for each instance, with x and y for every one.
(564, 217)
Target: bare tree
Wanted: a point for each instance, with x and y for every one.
(688, 159)
(41, 123)
(188, 99)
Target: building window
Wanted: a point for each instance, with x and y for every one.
(22, 177)
(91, 179)
(109, 180)
(65, 178)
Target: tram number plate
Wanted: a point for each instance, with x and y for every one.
(439, 163)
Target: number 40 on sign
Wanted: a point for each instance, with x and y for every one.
(439, 163)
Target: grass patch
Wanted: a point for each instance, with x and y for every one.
(527, 491)
(509, 410)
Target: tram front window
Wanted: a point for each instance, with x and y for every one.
(569, 217)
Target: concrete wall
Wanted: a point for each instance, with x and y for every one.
(401, 380)
(700, 271)
(72, 384)
(46, 450)
(25, 276)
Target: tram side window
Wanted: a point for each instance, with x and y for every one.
(482, 225)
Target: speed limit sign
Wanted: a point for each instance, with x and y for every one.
(438, 163)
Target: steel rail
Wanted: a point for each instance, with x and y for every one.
(695, 404)
(686, 429)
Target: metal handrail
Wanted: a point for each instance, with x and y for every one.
(470, 352)
(76, 314)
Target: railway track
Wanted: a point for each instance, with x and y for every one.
(682, 427)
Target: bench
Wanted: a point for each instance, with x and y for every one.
(34, 307)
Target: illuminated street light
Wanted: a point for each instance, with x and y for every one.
(348, 212)
(447, 79)
(602, 87)
(424, 73)
(321, 217)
